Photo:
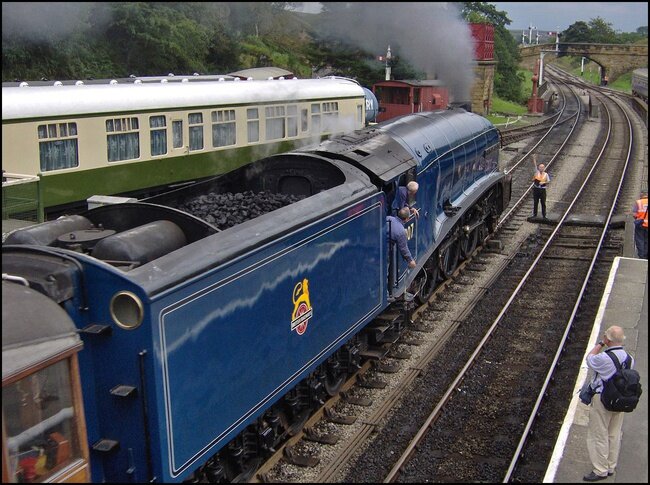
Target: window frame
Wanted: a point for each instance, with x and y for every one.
(124, 130)
(50, 138)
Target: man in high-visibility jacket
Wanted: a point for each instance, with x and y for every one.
(640, 212)
(540, 181)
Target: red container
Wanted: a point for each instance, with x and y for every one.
(484, 51)
(483, 36)
(482, 32)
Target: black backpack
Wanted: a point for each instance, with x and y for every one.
(621, 392)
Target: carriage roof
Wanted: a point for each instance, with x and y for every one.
(29, 102)
(34, 329)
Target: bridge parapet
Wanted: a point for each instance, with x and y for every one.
(615, 59)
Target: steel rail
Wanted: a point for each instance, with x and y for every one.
(557, 122)
(504, 218)
(453, 387)
(553, 365)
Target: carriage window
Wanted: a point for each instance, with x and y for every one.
(330, 116)
(359, 114)
(41, 424)
(252, 114)
(195, 122)
(58, 146)
(315, 118)
(177, 133)
(123, 140)
(275, 122)
(292, 120)
(223, 128)
(158, 126)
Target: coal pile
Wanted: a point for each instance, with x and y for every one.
(228, 209)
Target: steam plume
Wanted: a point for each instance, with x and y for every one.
(432, 36)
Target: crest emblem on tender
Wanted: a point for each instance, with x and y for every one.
(302, 310)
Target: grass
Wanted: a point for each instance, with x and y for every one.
(501, 107)
(623, 83)
(591, 73)
(505, 111)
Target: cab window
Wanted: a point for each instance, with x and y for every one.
(40, 422)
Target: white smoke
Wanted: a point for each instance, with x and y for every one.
(431, 36)
(50, 21)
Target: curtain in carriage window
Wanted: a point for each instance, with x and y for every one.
(58, 148)
(223, 128)
(123, 147)
(158, 126)
(195, 122)
(292, 120)
(253, 117)
(122, 139)
(275, 122)
(177, 134)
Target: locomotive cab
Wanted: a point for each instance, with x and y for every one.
(43, 427)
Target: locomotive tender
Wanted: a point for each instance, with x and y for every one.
(204, 347)
(136, 136)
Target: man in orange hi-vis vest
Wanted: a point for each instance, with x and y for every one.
(640, 212)
(540, 181)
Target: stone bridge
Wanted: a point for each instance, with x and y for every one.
(614, 59)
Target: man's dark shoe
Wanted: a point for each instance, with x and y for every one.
(610, 473)
(592, 477)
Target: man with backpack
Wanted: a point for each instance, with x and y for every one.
(604, 433)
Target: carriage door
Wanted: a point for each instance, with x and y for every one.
(178, 137)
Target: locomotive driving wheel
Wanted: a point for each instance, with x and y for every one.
(448, 259)
(469, 241)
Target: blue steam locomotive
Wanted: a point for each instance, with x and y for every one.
(171, 347)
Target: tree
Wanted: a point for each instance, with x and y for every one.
(577, 32)
(154, 39)
(601, 31)
(487, 11)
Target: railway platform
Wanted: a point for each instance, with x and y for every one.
(624, 303)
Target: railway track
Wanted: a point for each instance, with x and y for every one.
(493, 403)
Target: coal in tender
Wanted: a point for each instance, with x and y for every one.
(229, 209)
